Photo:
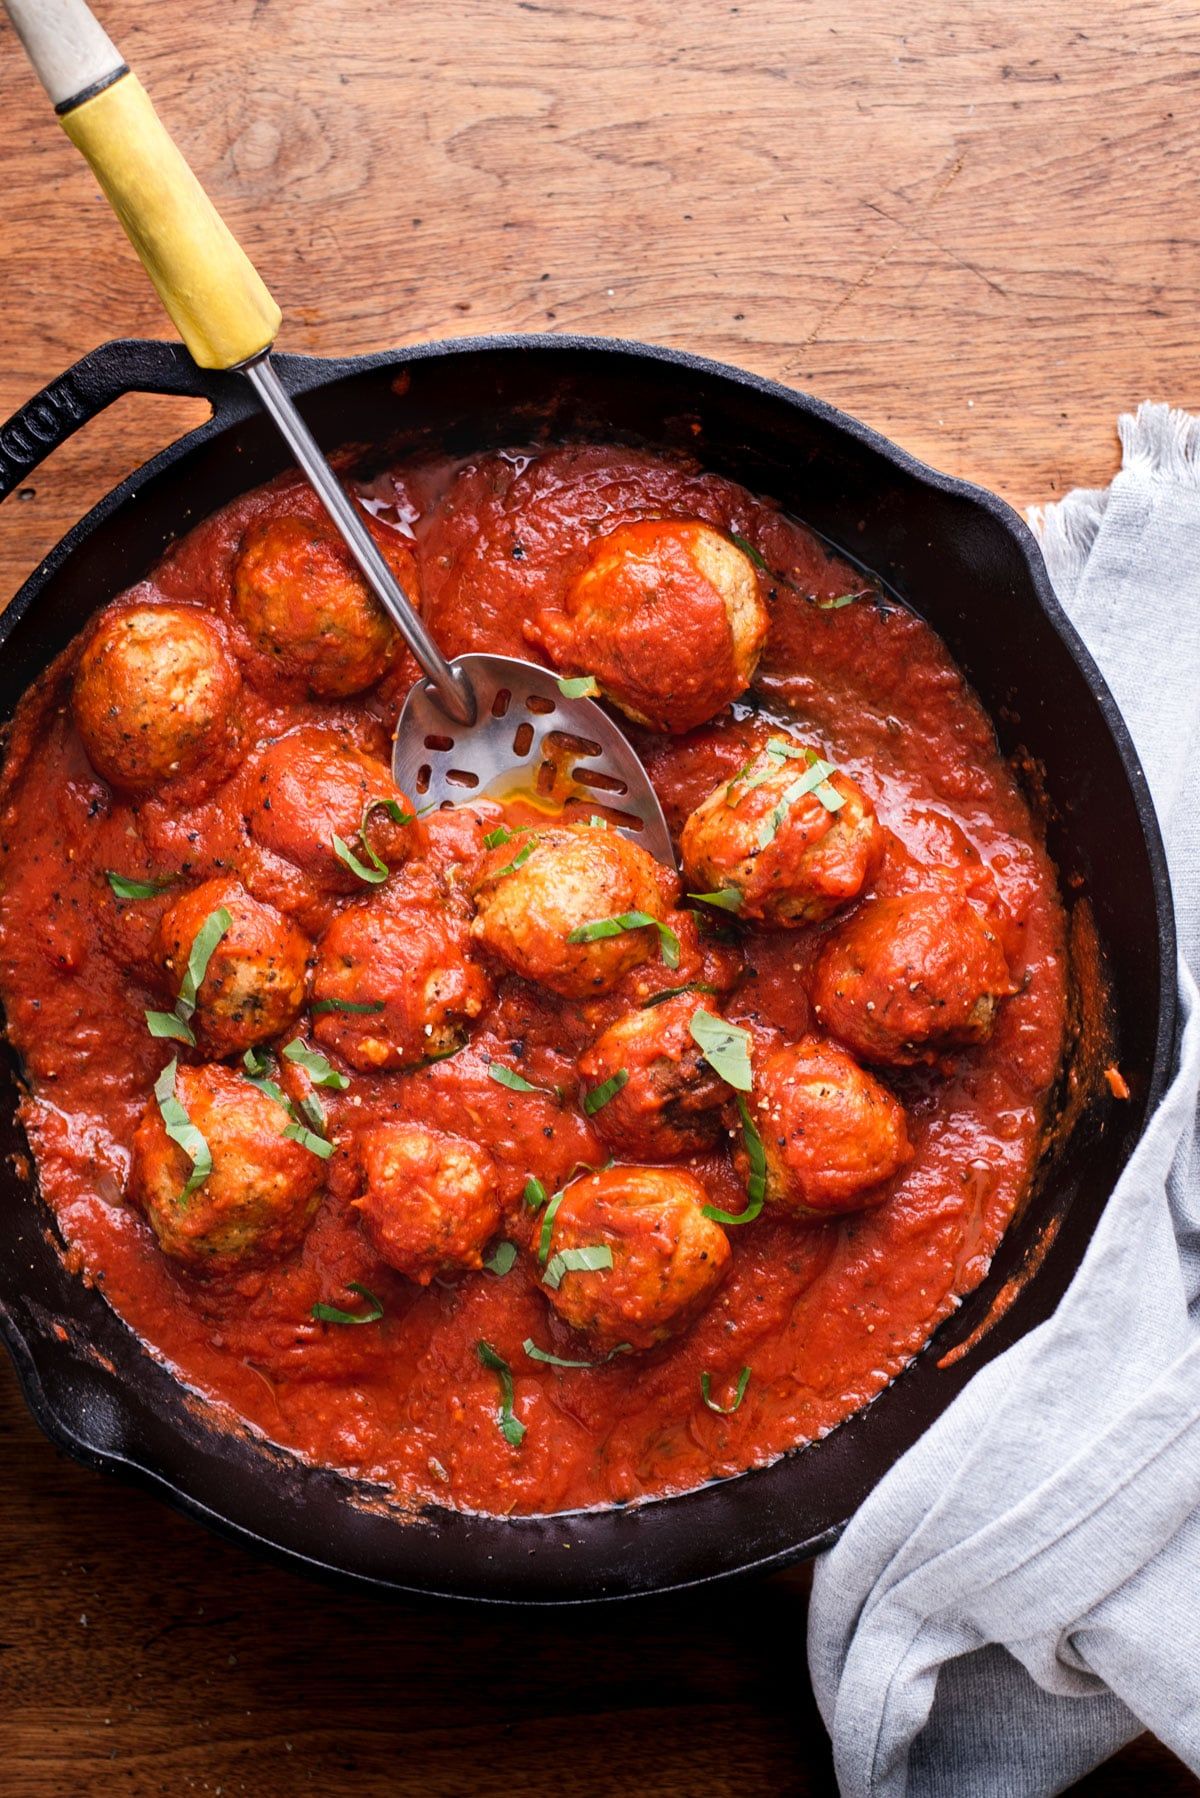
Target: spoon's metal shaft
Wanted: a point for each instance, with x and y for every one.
(452, 687)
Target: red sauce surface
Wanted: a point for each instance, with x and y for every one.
(824, 1313)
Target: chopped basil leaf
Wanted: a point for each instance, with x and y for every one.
(673, 992)
(204, 942)
(518, 861)
(503, 1260)
(756, 1185)
(330, 1314)
(317, 1066)
(599, 1096)
(630, 920)
(375, 875)
(724, 1046)
(395, 812)
(729, 898)
(547, 1229)
(535, 1193)
(256, 1064)
(814, 780)
(165, 1023)
(315, 1112)
(515, 1082)
(843, 599)
(363, 1006)
(181, 1130)
(747, 548)
(579, 686)
(308, 1139)
(495, 839)
(593, 1259)
(540, 1354)
(125, 888)
(739, 1393)
(511, 1427)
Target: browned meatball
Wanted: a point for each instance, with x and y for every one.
(396, 984)
(908, 976)
(257, 1202)
(312, 785)
(154, 696)
(670, 1101)
(831, 1134)
(667, 1257)
(254, 985)
(304, 603)
(667, 616)
(794, 848)
(429, 1201)
(534, 891)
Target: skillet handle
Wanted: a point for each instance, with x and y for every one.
(72, 398)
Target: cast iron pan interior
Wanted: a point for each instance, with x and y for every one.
(962, 559)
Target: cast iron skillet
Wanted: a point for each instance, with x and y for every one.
(968, 565)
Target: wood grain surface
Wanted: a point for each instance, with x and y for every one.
(973, 226)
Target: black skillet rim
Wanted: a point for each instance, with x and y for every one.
(143, 368)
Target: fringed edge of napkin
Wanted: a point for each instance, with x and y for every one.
(1156, 441)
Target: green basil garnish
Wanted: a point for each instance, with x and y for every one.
(330, 1314)
(756, 1185)
(539, 1354)
(843, 599)
(257, 1066)
(365, 1007)
(599, 1096)
(547, 1229)
(579, 686)
(181, 1130)
(126, 888)
(630, 920)
(204, 942)
(517, 1083)
(729, 898)
(739, 1393)
(724, 1046)
(518, 861)
(535, 1193)
(511, 1427)
(165, 1023)
(502, 1261)
(675, 992)
(593, 1259)
(495, 839)
(747, 548)
(814, 780)
(317, 1066)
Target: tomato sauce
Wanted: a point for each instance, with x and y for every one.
(824, 1314)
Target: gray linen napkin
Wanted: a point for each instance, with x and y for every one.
(1021, 1593)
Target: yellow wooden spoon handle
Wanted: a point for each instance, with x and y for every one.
(207, 283)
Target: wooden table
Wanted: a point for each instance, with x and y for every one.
(974, 226)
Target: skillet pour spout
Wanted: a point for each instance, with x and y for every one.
(963, 560)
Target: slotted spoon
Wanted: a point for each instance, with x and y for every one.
(481, 726)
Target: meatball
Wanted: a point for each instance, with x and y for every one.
(831, 1134)
(396, 984)
(154, 696)
(254, 985)
(257, 1202)
(536, 890)
(667, 1257)
(671, 1099)
(313, 785)
(429, 1201)
(667, 617)
(793, 847)
(906, 977)
(303, 602)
